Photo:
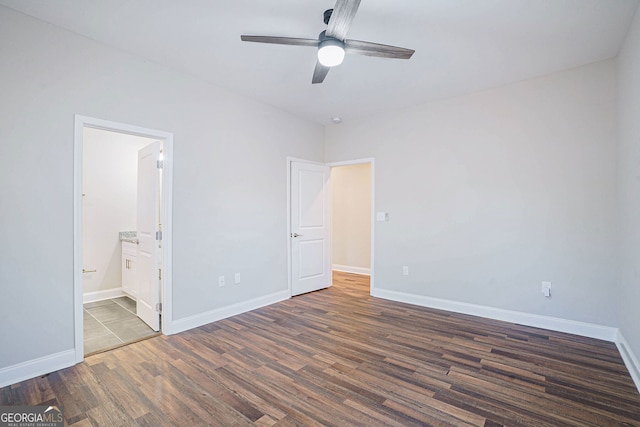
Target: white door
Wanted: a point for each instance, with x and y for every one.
(310, 229)
(148, 225)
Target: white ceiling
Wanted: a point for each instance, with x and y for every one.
(461, 46)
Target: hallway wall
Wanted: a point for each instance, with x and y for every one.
(351, 217)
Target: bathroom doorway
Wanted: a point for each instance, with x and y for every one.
(109, 239)
(121, 244)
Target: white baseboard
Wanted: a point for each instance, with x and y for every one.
(197, 320)
(102, 295)
(33, 368)
(351, 269)
(590, 330)
(630, 359)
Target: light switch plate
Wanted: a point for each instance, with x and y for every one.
(382, 216)
(546, 289)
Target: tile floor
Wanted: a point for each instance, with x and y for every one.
(112, 323)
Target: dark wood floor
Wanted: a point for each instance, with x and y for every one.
(339, 357)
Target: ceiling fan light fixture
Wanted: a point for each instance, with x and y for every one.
(330, 52)
(331, 43)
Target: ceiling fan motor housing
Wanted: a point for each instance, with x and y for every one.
(327, 16)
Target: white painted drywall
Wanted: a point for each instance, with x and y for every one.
(629, 181)
(492, 193)
(109, 187)
(351, 216)
(229, 188)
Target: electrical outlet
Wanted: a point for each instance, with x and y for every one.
(237, 278)
(221, 281)
(405, 270)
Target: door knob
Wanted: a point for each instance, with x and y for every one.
(296, 235)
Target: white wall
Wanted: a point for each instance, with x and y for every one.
(351, 217)
(629, 179)
(109, 204)
(488, 193)
(491, 193)
(229, 201)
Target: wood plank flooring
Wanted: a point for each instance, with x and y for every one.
(339, 357)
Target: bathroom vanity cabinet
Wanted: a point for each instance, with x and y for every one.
(129, 283)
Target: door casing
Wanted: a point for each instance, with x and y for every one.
(166, 213)
(367, 160)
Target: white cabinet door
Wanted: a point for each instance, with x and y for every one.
(310, 228)
(129, 285)
(148, 225)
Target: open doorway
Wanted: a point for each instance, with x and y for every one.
(110, 240)
(309, 226)
(122, 224)
(351, 224)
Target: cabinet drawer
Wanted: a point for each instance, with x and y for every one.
(129, 249)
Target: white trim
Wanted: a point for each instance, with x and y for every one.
(33, 368)
(80, 122)
(590, 330)
(78, 318)
(362, 161)
(313, 162)
(197, 320)
(351, 269)
(372, 261)
(630, 359)
(102, 295)
(288, 234)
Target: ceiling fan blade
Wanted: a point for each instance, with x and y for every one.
(341, 18)
(319, 73)
(375, 49)
(280, 40)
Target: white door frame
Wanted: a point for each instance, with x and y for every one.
(166, 210)
(367, 160)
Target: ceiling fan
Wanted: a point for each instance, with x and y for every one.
(332, 43)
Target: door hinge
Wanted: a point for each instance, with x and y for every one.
(158, 235)
(159, 164)
(159, 307)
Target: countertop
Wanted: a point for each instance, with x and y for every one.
(129, 236)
